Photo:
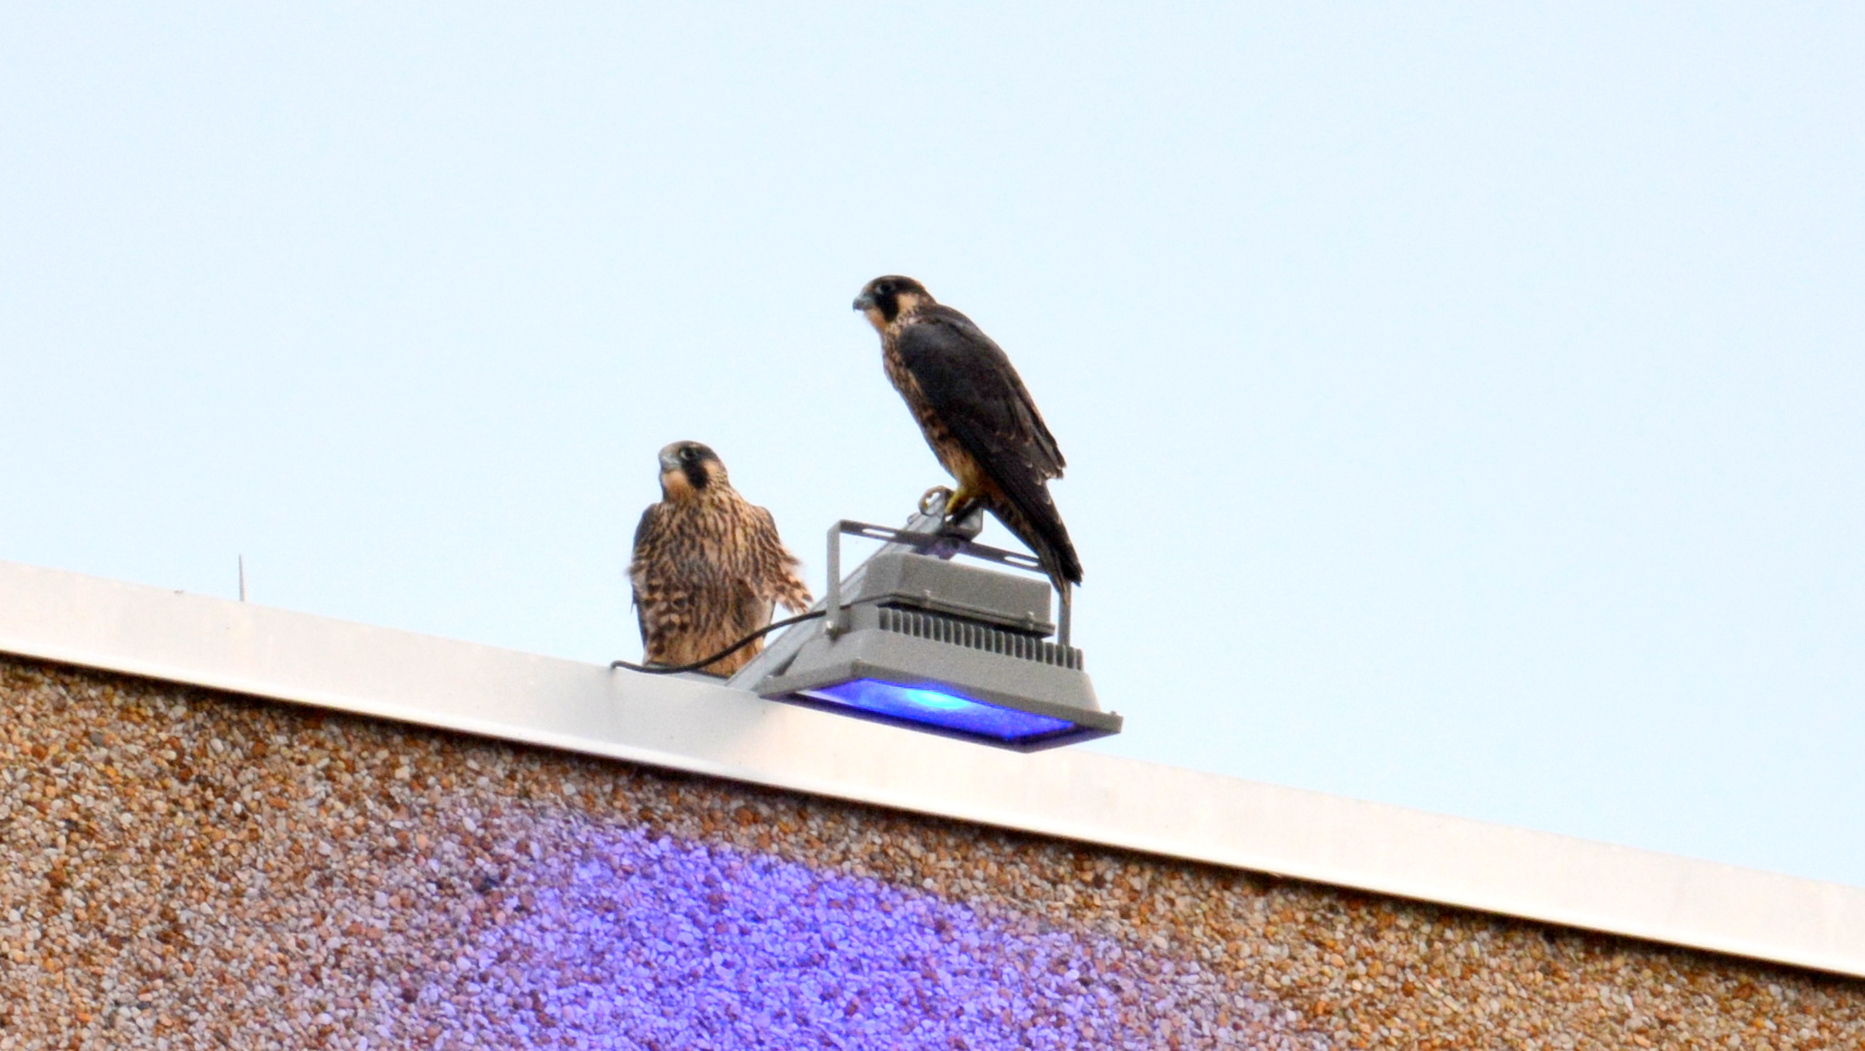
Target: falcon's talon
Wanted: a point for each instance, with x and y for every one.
(934, 497)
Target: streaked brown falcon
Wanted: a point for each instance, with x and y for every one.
(708, 565)
(976, 414)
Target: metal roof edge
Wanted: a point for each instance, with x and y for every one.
(703, 728)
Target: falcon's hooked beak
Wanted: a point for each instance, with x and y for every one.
(871, 309)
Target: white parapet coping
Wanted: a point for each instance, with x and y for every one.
(710, 729)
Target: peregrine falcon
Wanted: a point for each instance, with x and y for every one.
(976, 415)
(707, 565)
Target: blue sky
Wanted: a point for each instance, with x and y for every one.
(1461, 401)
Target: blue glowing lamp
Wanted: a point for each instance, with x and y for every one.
(939, 709)
(914, 639)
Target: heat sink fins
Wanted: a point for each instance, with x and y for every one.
(970, 634)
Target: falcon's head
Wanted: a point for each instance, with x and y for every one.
(688, 468)
(886, 298)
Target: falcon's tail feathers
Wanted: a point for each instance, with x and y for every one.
(1041, 528)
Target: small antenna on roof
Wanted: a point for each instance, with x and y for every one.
(242, 578)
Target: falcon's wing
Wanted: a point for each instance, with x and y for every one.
(969, 383)
(777, 567)
(637, 563)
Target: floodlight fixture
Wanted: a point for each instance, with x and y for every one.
(915, 639)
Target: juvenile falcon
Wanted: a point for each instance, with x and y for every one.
(976, 414)
(707, 566)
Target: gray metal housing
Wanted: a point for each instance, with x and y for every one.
(921, 621)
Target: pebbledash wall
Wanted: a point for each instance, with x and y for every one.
(223, 826)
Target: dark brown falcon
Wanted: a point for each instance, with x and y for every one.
(976, 414)
(708, 565)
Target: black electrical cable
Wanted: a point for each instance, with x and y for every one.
(663, 669)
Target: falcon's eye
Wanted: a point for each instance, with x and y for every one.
(885, 288)
(689, 454)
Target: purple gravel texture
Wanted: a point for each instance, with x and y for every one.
(185, 869)
(694, 946)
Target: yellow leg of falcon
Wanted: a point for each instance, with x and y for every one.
(963, 497)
